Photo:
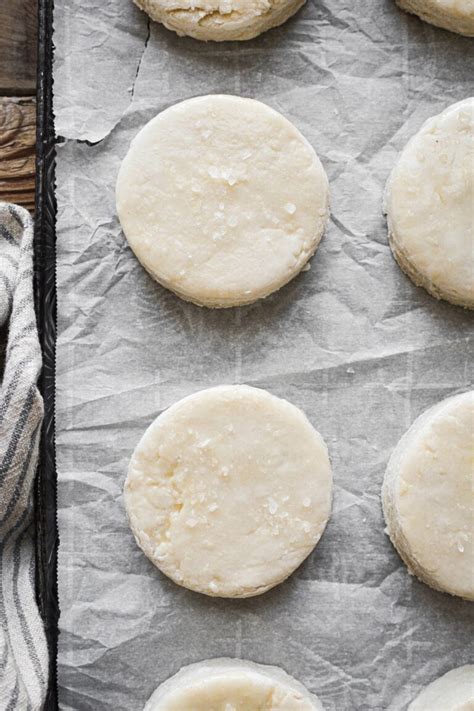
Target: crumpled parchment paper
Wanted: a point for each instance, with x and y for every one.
(352, 342)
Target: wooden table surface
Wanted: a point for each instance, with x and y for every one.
(18, 23)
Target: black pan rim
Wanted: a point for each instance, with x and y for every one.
(47, 538)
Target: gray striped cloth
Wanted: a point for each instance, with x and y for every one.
(23, 650)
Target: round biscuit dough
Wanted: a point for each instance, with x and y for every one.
(454, 15)
(222, 200)
(453, 691)
(229, 490)
(220, 20)
(428, 498)
(232, 685)
(429, 201)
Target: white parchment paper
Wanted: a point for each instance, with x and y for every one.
(352, 342)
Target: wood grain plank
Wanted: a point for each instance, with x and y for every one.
(17, 151)
(18, 27)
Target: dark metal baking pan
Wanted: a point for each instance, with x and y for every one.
(45, 296)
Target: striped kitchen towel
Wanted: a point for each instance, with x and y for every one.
(23, 650)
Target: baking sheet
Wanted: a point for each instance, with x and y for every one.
(45, 494)
(352, 342)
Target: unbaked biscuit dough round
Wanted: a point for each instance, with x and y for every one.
(453, 691)
(232, 685)
(220, 20)
(428, 496)
(454, 15)
(229, 490)
(222, 200)
(429, 202)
